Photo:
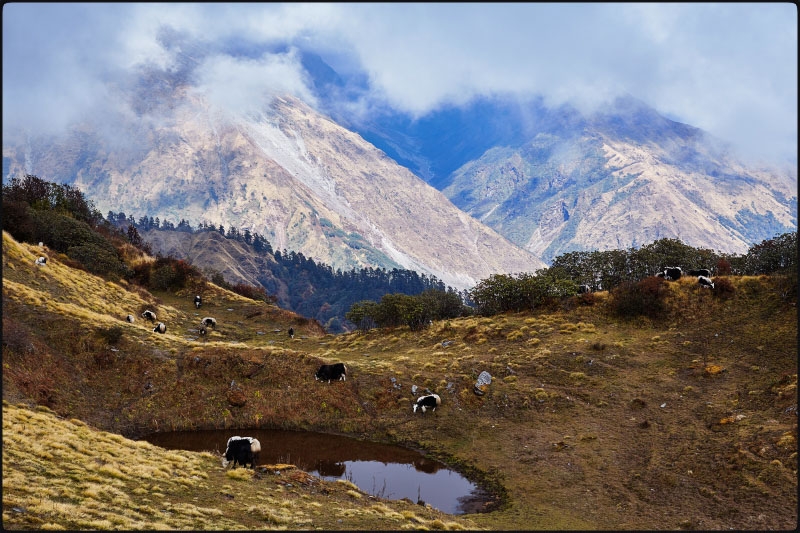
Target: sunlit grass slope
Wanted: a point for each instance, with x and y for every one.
(63, 474)
(590, 422)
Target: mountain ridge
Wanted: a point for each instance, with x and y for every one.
(582, 189)
(499, 185)
(290, 174)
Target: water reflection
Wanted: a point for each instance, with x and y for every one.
(331, 468)
(382, 470)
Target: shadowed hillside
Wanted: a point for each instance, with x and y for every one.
(590, 421)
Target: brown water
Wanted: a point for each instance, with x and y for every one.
(386, 471)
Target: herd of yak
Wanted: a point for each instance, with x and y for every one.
(244, 451)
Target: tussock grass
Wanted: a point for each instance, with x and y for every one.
(63, 474)
(571, 429)
(68, 475)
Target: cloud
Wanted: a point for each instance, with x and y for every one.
(50, 75)
(730, 69)
(245, 85)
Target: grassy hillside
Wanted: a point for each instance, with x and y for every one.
(590, 422)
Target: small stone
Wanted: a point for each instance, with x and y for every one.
(482, 384)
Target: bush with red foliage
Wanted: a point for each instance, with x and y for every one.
(723, 288)
(250, 291)
(168, 273)
(723, 267)
(587, 298)
(643, 298)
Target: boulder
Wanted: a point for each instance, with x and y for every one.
(482, 384)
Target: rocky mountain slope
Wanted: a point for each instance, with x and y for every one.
(288, 173)
(559, 180)
(520, 182)
(617, 184)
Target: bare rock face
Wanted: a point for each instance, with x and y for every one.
(621, 182)
(289, 174)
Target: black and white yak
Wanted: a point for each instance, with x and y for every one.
(130, 318)
(430, 401)
(242, 451)
(198, 302)
(705, 282)
(673, 273)
(209, 322)
(160, 328)
(583, 289)
(149, 315)
(337, 371)
(41, 261)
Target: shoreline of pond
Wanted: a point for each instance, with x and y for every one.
(425, 479)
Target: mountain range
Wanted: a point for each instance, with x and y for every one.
(495, 186)
(559, 180)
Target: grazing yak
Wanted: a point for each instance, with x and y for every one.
(130, 318)
(673, 273)
(241, 450)
(583, 289)
(149, 315)
(41, 261)
(160, 328)
(705, 282)
(430, 401)
(291, 333)
(331, 372)
(198, 302)
(209, 322)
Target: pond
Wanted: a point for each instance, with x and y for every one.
(382, 470)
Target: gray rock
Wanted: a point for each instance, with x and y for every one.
(482, 384)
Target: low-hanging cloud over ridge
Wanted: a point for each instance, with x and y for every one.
(730, 69)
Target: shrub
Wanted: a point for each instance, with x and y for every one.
(61, 232)
(17, 221)
(183, 272)
(98, 260)
(112, 334)
(723, 267)
(141, 274)
(643, 298)
(218, 279)
(723, 288)
(162, 277)
(250, 291)
(168, 273)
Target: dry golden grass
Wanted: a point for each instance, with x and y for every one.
(63, 474)
(590, 422)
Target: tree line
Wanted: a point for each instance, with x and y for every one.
(60, 216)
(632, 271)
(313, 289)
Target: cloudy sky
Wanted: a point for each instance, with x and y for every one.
(728, 68)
